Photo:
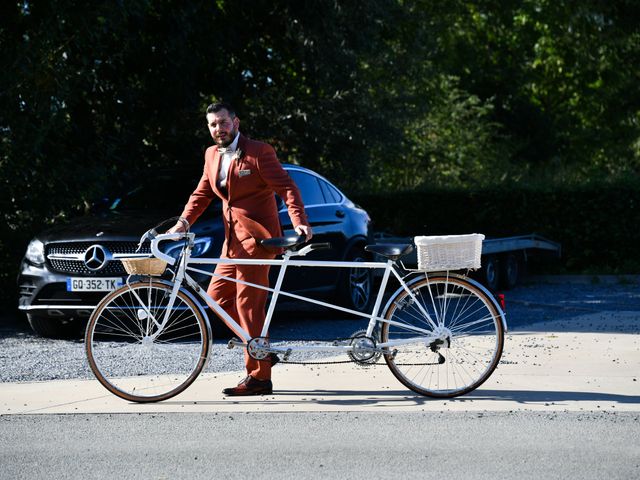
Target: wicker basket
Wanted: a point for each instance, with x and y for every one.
(452, 252)
(144, 266)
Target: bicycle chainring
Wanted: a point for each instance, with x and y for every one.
(258, 348)
(363, 352)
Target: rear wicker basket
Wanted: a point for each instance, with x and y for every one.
(452, 252)
(144, 266)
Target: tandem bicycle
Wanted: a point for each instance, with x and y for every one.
(440, 333)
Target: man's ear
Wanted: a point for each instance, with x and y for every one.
(236, 122)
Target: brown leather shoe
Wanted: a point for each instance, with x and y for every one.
(274, 359)
(250, 386)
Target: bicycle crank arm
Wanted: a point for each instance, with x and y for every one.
(234, 342)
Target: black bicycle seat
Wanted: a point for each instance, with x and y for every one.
(392, 251)
(283, 242)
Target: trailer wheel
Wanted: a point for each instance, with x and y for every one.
(490, 272)
(510, 271)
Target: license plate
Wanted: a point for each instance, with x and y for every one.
(93, 284)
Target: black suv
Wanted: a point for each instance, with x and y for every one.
(68, 269)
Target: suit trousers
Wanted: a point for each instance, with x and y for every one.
(245, 304)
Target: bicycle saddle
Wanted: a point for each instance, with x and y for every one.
(283, 242)
(392, 251)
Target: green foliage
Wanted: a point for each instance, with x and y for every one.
(452, 144)
(595, 224)
(561, 74)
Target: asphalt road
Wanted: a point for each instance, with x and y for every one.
(337, 445)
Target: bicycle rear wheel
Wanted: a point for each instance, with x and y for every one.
(457, 356)
(134, 358)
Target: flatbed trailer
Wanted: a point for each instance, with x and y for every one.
(503, 258)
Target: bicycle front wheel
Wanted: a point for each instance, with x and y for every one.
(141, 348)
(445, 338)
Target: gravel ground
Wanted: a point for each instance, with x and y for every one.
(27, 357)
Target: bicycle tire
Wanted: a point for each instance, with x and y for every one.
(469, 352)
(123, 353)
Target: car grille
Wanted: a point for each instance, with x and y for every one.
(78, 267)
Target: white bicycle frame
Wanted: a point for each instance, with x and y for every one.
(186, 261)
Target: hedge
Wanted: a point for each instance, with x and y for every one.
(596, 225)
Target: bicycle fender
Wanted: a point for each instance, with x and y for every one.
(492, 297)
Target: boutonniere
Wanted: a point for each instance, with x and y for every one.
(237, 155)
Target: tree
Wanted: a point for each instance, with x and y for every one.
(562, 77)
(113, 91)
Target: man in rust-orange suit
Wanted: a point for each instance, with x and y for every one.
(245, 174)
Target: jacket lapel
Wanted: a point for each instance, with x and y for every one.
(216, 173)
(235, 164)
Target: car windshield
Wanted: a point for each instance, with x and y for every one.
(164, 192)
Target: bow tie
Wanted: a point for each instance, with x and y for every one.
(224, 150)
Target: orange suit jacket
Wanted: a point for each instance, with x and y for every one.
(248, 205)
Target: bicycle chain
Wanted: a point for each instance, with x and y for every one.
(334, 342)
(361, 364)
(336, 362)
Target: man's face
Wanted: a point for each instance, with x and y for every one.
(222, 127)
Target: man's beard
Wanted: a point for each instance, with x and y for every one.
(230, 138)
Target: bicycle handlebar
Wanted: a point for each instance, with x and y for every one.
(278, 242)
(162, 238)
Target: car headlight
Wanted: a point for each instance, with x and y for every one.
(200, 246)
(35, 252)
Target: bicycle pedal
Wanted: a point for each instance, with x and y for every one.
(234, 342)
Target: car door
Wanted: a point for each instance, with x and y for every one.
(326, 216)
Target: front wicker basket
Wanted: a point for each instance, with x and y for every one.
(451, 252)
(144, 266)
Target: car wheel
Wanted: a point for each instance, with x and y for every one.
(55, 327)
(356, 284)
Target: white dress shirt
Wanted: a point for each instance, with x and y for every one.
(226, 154)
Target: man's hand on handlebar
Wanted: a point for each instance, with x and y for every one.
(177, 228)
(181, 226)
(304, 230)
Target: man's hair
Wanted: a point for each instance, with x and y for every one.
(216, 107)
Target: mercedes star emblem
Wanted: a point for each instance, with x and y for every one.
(96, 257)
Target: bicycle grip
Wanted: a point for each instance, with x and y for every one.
(319, 246)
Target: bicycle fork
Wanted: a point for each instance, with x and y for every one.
(144, 313)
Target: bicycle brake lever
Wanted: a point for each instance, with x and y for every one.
(148, 235)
